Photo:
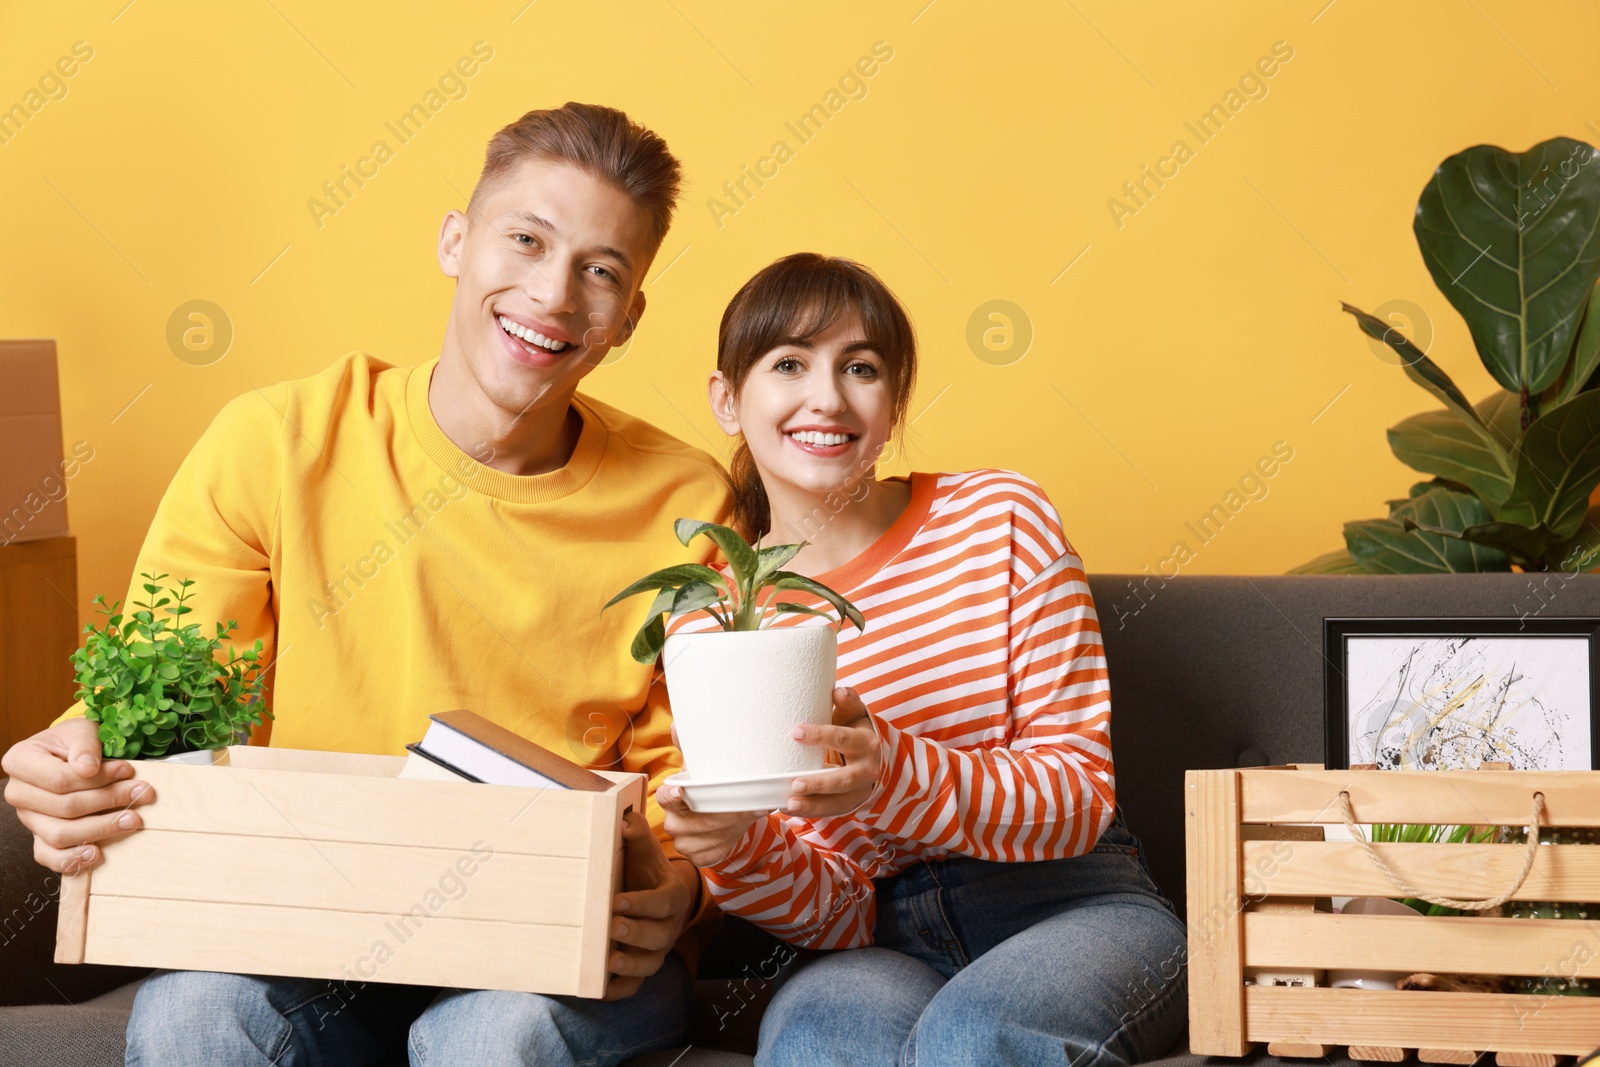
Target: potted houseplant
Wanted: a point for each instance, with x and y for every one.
(737, 691)
(156, 687)
(1513, 241)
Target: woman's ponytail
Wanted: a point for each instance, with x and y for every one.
(752, 515)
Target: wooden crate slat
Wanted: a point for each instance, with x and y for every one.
(1216, 990)
(1470, 1021)
(606, 828)
(1453, 797)
(344, 876)
(320, 806)
(1448, 945)
(264, 939)
(265, 757)
(1341, 868)
(72, 917)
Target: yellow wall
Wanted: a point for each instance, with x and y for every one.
(978, 165)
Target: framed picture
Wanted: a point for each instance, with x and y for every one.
(1450, 694)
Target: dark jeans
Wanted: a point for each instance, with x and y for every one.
(1076, 961)
(211, 1019)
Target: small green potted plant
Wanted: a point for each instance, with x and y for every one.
(738, 690)
(156, 686)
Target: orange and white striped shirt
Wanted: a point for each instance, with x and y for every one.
(984, 671)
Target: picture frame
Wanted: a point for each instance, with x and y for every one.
(1450, 693)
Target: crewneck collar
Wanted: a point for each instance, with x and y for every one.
(513, 488)
(849, 576)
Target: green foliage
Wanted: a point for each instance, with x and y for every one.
(1553, 984)
(156, 687)
(1410, 833)
(1513, 242)
(743, 600)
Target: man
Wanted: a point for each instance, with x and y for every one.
(406, 540)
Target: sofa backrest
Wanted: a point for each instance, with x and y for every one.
(1228, 671)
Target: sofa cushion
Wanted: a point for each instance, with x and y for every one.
(28, 898)
(62, 1035)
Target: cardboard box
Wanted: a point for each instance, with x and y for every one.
(325, 865)
(38, 633)
(33, 490)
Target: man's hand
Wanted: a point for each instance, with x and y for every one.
(69, 797)
(657, 899)
(703, 838)
(841, 791)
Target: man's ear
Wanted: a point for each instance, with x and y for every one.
(723, 408)
(452, 232)
(635, 313)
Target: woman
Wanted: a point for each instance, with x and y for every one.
(984, 901)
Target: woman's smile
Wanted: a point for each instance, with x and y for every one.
(823, 441)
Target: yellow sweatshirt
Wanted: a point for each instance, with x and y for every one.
(391, 575)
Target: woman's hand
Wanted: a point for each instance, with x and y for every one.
(843, 790)
(703, 838)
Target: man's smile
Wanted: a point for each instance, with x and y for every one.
(531, 336)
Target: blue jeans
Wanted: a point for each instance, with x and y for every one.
(1076, 961)
(241, 1020)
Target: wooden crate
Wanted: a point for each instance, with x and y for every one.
(326, 865)
(1238, 866)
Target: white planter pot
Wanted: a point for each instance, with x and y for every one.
(736, 695)
(1355, 979)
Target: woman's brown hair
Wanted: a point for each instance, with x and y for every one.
(797, 298)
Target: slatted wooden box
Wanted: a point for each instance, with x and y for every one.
(326, 865)
(1239, 865)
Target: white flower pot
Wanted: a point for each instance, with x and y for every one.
(1358, 979)
(736, 695)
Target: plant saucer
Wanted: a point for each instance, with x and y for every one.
(762, 792)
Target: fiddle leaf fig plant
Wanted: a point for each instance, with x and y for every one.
(156, 686)
(744, 599)
(1513, 242)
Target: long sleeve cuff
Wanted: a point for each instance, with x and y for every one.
(887, 799)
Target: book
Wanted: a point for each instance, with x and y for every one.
(462, 744)
(421, 765)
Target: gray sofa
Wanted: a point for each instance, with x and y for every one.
(1205, 672)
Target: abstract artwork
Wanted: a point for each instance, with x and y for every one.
(1451, 694)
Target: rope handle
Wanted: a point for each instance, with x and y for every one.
(1447, 902)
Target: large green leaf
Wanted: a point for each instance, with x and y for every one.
(1422, 535)
(1513, 241)
(1339, 561)
(735, 549)
(1581, 552)
(774, 557)
(785, 606)
(646, 645)
(1526, 545)
(789, 580)
(1585, 354)
(1438, 442)
(1424, 371)
(669, 578)
(1558, 468)
(694, 596)
(648, 641)
(1503, 412)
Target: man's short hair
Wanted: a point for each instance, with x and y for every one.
(601, 140)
